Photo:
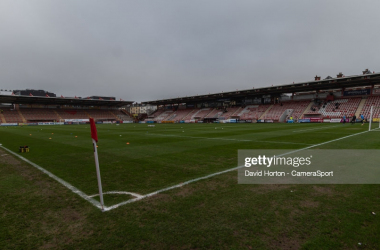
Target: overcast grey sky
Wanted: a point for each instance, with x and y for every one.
(146, 50)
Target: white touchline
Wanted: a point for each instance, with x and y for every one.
(218, 173)
(64, 183)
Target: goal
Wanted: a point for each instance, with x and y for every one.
(374, 118)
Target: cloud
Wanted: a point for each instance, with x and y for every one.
(148, 50)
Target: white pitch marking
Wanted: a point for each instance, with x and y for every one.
(118, 192)
(327, 127)
(199, 137)
(218, 173)
(284, 142)
(64, 183)
(226, 139)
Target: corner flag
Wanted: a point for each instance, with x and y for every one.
(94, 136)
(94, 132)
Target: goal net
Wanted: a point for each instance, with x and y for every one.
(373, 118)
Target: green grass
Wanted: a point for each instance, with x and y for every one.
(38, 212)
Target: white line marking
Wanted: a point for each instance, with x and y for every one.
(118, 192)
(224, 139)
(64, 183)
(199, 137)
(218, 173)
(284, 142)
(327, 127)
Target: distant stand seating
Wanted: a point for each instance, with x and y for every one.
(278, 109)
(39, 115)
(51, 115)
(230, 112)
(253, 112)
(336, 108)
(371, 101)
(11, 116)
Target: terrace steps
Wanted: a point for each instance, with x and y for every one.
(116, 117)
(266, 111)
(22, 117)
(59, 117)
(236, 112)
(199, 110)
(188, 114)
(307, 108)
(360, 107)
(2, 118)
(208, 113)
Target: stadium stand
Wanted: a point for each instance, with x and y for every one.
(11, 116)
(253, 112)
(200, 114)
(51, 115)
(179, 115)
(39, 115)
(163, 115)
(371, 101)
(278, 111)
(336, 108)
(214, 113)
(230, 112)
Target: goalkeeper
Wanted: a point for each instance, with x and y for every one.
(362, 117)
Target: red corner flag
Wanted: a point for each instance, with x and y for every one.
(94, 133)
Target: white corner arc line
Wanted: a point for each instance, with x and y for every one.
(64, 183)
(118, 192)
(218, 173)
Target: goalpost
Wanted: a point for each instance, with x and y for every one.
(374, 117)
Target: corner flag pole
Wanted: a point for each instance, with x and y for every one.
(94, 136)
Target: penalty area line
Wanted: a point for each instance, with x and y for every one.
(218, 173)
(51, 175)
(327, 127)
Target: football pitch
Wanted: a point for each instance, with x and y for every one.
(175, 185)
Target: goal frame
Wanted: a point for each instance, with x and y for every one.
(371, 117)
